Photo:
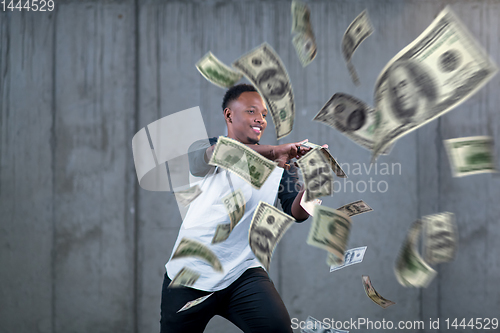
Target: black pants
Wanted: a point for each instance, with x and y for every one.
(251, 303)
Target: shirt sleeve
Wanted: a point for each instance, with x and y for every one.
(289, 189)
(196, 155)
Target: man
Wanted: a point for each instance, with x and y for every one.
(411, 91)
(243, 293)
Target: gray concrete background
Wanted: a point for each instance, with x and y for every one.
(83, 247)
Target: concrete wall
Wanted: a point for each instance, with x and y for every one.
(83, 247)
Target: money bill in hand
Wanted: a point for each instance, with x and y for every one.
(313, 325)
(411, 270)
(352, 256)
(191, 248)
(470, 155)
(440, 238)
(317, 174)
(326, 153)
(442, 68)
(309, 205)
(186, 277)
(268, 225)
(216, 72)
(355, 208)
(304, 41)
(373, 294)
(360, 29)
(264, 69)
(221, 233)
(187, 196)
(330, 231)
(242, 161)
(352, 117)
(234, 203)
(197, 301)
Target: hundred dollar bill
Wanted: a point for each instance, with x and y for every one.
(300, 17)
(440, 241)
(221, 233)
(216, 72)
(442, 68)
(234, 203)
(352, 117)
(411, 270)
(373, 294)
(317, 174)
(197, 301)
(191, 248)
(352, 256)
(264, 69)
(268, 225)
(470, 155)
(357, 32)
(313, 325)
(186, 277)
(187, 196)
(242, 161)
(305, 46)
(330, 231)
(309, 205)
(355, 208)
(326, 153)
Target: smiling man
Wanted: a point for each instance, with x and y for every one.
(243, 293)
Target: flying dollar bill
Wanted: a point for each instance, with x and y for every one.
(191, 248)
(221, 233)
(470, 155)
(373, 294)
(309, 205)
(234, 203)
(304, 41)
(352, 117)
(242, 161)
(352, 256)
(216, 72)
(317, 174)
(330, 231)
(268, 225)
(440, 241)
(411, 270)
(313, 325)
(197, 301)
(185, 278)
(263, 67)
(357, 32)
(187, 196)
(442, 68)
(355, 208)
(326, 153)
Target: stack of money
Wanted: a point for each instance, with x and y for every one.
(440, 69)
(304, 41)
(470, 155)
(266, 229)
(264, 69)
(357, 32)
(216, 72)
(330, 231)
(373, 294)
(244, 162)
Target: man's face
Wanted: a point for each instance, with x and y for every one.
(248, 118)
(404, 89)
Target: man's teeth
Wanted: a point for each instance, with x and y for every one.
(256, 128)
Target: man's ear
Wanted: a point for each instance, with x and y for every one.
(227, 115)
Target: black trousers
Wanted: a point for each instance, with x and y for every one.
(251, 303)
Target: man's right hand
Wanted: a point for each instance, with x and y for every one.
(285, 152)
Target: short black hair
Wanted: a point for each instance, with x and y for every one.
(234, 92)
